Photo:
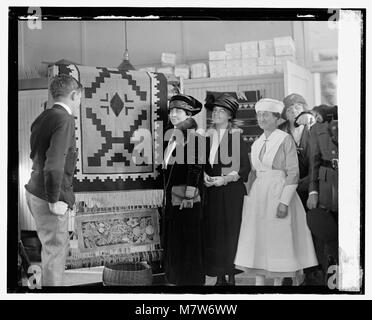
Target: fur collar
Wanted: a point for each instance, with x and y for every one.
(188, 124)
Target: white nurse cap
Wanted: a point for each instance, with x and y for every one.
(270, 105)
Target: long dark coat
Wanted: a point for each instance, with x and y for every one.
(182, 240)
(223, 212)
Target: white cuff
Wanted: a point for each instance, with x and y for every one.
(235, 175)
(287, 193)
(313, 192)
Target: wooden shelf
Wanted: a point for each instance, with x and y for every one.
(33, 84)
(237, 78)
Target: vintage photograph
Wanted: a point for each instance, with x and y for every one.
(179, 151)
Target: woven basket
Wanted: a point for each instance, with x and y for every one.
(127, 274)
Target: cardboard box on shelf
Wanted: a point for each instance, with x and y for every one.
(266, 48)
(199, 70)
(165, 70)
(234, 68)
(233, 51)
(182, 71)
(284, 51)
(284, 46)
(233, 64)
(249, 70)
(266, 61)
(249, 49)
(284, 41)
(250, 62)
(233, 46)
(266, 69)
(232, 55)
(148, 69)
(283, 59)
(168, 59)
(217, 69)
(217, 55)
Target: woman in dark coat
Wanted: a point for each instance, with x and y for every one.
(295, 104)
(183, 179)
(227, 167)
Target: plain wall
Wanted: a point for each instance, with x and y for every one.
(101, 43)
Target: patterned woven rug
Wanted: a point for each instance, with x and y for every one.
(118, 232)
(115, 236)
(115, 104)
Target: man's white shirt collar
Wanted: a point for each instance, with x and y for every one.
(65, 106)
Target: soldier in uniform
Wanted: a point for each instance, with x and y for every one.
(323, 186)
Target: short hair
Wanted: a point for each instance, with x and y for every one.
(62, 85)
(284, 112)
(292, 99)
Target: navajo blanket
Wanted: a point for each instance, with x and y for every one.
(115, 236)
(115, 106)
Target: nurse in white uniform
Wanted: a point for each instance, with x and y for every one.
(274, 238)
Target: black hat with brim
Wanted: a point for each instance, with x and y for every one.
(185, 102)
(224, 101)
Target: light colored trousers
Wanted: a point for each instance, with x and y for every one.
(53, 234)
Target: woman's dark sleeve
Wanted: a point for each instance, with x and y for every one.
(195, 160)
(303, 183)
(245, 166)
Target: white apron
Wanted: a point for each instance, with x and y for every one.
(268, 243)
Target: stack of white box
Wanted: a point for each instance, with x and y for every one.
(199, 70)
(165, 70)
(233, 59)
(250, 58)
(217, 64)
(168, 59)
(266, 60)
(285, 50)
(182, 71)
(168, 62)
(148, 69)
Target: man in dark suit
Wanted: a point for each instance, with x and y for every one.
(323, 187)
(49, 191)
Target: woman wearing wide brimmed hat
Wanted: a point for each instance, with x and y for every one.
(227, 167)
(274, 238)
(183, 182)
(294, 105)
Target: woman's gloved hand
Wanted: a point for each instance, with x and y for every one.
(218, 181)
(305, 118)
(186, 203)
(208, 181)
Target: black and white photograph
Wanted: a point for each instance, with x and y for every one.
(186, 150)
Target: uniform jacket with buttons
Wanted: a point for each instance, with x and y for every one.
(53, 152)
(323, 179)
